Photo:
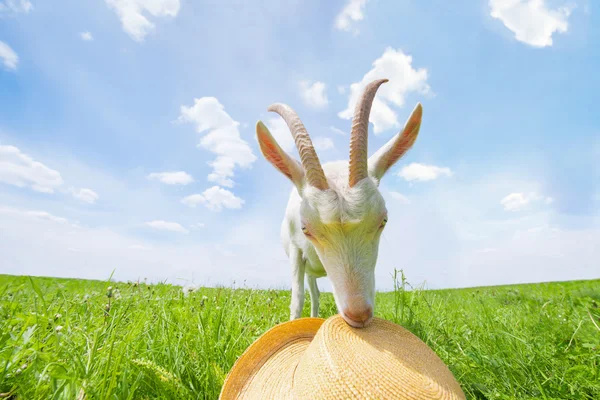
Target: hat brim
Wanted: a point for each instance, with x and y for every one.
(267, 366)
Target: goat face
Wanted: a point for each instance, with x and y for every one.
(344, 225)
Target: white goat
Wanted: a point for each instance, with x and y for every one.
(335, 214)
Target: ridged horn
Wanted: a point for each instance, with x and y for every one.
(359, 135)
(308, 156)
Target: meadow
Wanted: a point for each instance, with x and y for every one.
(79, 339)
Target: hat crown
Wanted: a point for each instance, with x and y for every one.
(383, 360)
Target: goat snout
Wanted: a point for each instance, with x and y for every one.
(358, 318)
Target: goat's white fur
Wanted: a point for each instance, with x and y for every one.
(344, 225)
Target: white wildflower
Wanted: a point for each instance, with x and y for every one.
(187, 289)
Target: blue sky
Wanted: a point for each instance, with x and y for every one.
(113, 113)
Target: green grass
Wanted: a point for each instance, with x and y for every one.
(67, 339)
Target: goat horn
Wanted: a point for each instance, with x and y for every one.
(308, 156)
(359, 135)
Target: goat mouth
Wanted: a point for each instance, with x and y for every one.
(357, 324)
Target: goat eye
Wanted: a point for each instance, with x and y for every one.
(385, 220)
(305, 230)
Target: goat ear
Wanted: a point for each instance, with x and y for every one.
(392, 151)
(279, 158)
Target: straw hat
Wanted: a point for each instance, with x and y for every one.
(313, 358)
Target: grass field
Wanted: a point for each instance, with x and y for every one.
(75, 339)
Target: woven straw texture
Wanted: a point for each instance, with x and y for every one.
(311, 359)
(381, 361)
(265, 370)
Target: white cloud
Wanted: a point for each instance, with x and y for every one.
(167, 226)
(531, 21)
(352, 12)
(515, 201)
(131, 13)
(403, 80)
(423, 172)
(9, 58)
(215, 199)
(172, 178)
(400, 197)
(198, 225)
(21, 170)
(32, 215)
(85, 195)
(15, 6)
(519, 201)
(337, 131)
(323, 143)
(223, 138)
(313, 94)
(86, 36)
